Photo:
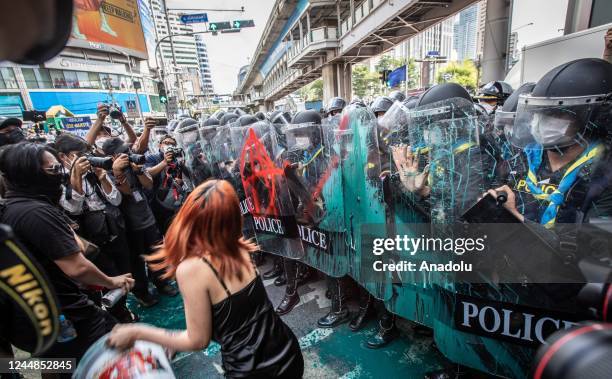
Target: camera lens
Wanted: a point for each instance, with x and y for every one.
(137, 159)
(101, 162)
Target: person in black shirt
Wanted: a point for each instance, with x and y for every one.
(32, 174)
(143, 234)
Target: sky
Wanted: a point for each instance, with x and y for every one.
(548, 17)
(228, 52)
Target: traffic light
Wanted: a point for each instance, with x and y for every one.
(384, 76)
(161, 90)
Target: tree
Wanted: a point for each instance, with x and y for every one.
(463, 73)
(364, 81)
(312, 91)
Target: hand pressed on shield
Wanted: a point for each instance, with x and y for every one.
(123, 337)
(408, 168)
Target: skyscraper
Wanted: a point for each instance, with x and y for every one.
(205, 77)
(465, 39)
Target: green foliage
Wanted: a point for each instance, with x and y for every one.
(463, 73)
(364, 81)
(312, 91)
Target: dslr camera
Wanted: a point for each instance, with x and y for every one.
(176, 152)
(114, 110)
(138, 159)
(100, 162)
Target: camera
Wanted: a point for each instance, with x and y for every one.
(138, 159)
(34, 116)
(100, 162)
(176, 152)
(114, 111)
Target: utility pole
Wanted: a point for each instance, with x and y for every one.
(180, 92)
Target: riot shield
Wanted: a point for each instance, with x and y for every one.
(365, 213)
(264, 182)
(157, 133)
(189, 158)
(206, 167)
(222, 152)
(310, 166)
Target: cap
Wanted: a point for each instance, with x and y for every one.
(10, 121)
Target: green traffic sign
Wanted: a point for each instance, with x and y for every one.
(243, 24)
(216, 26)
(163, 99)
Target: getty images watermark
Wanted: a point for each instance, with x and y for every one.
(403, 245)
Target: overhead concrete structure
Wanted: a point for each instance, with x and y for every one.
(306, 40)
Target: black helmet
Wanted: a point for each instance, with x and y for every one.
(411, 102)
(357, 102)
(218, 114)
(504, 118)
(512, 101)
(210, 122)
(247, 119)
(306, 117)
(443, 91)
(381, 104)
(228, 118)
(496, 90)
(397, 96)
(184, 123)
(239, 112)
(280, 117)
(570, 103)
(260, 116)
(336, 104)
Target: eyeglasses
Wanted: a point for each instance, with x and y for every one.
(56, 169)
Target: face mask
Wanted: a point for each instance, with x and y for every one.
(11, 137)
(50, 186)
(551, 131)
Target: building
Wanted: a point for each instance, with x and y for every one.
(465, 34)
(482, 22)
(513, 51)
(178, 55)
(205, 77)
(102, 65)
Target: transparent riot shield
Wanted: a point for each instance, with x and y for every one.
(264, 182)
(222, 152)
(206, 167)
(309, 167)
(157, 133)
(365, 213)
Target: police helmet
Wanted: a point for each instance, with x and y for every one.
(211, 122)
(441, 92)
(496, 91)
(571, 102)
(228, 118)
(309, 116)
(247, 119)
(397, 96)
(260, 116)
(411, 102)
(336, 104)
(381, 104)
(280, 118)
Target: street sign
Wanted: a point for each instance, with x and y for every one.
(231, 31)
(172, 106)
(194, 18)
(217, 26)
(237, 24)
(433, 53)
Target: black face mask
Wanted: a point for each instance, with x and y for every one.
(11, 137)
(50, 186)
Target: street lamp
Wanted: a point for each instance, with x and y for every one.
(132, 79)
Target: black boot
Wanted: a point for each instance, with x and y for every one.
(339, 313)
(364, 310)
(276, 270)
(281, 280)
(304, 274)
(288, 303)
(386, 332)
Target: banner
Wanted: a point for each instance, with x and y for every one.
(108, 24)
(78, 126)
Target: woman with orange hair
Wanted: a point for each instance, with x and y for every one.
(225, 299)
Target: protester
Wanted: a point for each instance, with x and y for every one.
(224, 296)
(31, 209)
(132, 180)
(92, 198)
(10, 131)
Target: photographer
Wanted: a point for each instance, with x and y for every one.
(169, 174)
(93, 199)
(132, 180)
(100, 133)
(33, 176)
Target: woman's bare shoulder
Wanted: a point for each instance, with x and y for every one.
(190, 268)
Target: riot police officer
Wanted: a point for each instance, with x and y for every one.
(380, 105)
(228, 118)
(397, 96)
(335, 106)
(493, 95)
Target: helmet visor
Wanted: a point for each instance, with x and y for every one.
(552, 123)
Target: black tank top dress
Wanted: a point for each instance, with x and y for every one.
(255, 342)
